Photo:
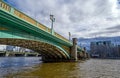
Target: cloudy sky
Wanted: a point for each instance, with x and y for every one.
(83, 18)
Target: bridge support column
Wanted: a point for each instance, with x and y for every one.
(84, 55)
(74, 50)
(87, 55)
(6, 54)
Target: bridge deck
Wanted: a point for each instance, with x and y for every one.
(28, 19)
(23, 17)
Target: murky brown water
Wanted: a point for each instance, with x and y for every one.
(93, 68)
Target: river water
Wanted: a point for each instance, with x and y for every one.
(31, 67)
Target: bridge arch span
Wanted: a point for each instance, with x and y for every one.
(48, 51)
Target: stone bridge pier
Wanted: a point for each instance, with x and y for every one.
(73, 54)
(74, 50)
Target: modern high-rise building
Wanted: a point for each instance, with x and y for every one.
(104, 49)
(15, 48)
(10, 48)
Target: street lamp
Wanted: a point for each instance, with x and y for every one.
(53, 20)
(69, 36)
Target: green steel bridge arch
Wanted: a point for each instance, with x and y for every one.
(18, 29)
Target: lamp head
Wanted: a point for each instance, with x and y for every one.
(51, 17)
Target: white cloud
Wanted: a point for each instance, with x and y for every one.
(83, 18)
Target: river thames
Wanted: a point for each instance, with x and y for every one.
(32, 67)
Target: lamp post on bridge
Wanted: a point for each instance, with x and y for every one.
(53, 20)
(69, 36)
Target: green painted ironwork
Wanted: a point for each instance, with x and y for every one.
(15, 24)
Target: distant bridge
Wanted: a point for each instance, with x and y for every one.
(18, 29)
(18, 54)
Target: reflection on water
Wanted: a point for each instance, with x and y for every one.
(10, 65)
(93, 68)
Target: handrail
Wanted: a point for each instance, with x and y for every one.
(26, 18)
(61, 37)
(4, 6)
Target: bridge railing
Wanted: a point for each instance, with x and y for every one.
(5, 6)
(24, 17)
(61, 37)
(28, 19)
